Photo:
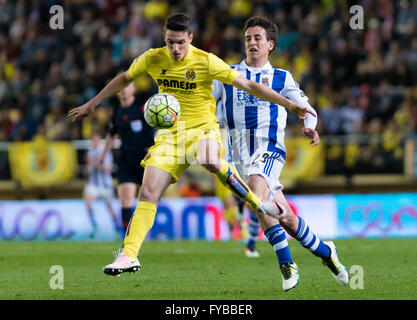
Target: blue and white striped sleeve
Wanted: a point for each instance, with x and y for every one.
(217, 94)
(217, 90)
(293, 92)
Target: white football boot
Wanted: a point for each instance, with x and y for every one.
(290, 275)
(251, 253)
(121, 264)
(339, 272)
(273, 209)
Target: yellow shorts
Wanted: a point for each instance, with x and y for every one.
(175, 152)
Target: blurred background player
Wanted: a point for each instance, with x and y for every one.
(100, 182)
(128, 123)
(257, 149)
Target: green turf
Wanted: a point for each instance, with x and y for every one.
(177, 270)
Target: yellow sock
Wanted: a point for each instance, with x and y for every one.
(230, 215)
(231, 179)
(141, 222)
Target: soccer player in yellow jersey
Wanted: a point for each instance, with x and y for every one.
(187, 73)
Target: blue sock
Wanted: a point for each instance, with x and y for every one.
(278, 240)
(310, 241)
(253, 229)
(92, 219)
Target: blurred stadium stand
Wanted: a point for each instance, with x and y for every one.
(361, 82)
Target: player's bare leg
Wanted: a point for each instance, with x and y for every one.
(111, 210)
(88, 199)
(155, 182)
(116, 222)
(208, 155)
(258, 184)
(127, 193)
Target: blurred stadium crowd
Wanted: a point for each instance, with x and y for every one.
(359, 81)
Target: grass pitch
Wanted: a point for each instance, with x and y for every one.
(200, 270)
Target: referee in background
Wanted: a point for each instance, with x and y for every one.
(136, 136)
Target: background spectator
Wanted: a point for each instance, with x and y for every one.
(357, 79)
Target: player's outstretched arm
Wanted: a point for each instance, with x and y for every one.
(117, 84)
(268, 94)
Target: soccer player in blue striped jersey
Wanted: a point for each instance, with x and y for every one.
(257, 149)
(100, 182)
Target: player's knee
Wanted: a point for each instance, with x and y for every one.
(212, 167)
(148, 194)
(209, 161)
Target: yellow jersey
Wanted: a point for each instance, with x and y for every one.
(189, 81)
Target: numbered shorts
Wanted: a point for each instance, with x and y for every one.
(265, 163)
(175, 152)
(99, 192)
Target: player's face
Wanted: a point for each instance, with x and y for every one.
(178, 43)
(257, 46)
(127, 95)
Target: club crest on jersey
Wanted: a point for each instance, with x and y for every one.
(190, 75)
(265, 81)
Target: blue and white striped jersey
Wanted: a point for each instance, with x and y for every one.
(252, 122)
(96, 177)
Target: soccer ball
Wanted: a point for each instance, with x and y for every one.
(162, 110)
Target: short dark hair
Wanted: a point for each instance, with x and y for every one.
(178, 22)
(271, 28)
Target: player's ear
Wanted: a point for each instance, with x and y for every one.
(191, 37)
(271, 45)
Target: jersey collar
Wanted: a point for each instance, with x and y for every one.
(267, 66)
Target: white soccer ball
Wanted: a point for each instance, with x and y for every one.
(162, 110)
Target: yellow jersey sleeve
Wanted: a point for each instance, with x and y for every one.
(138, 66)
(220, 70)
